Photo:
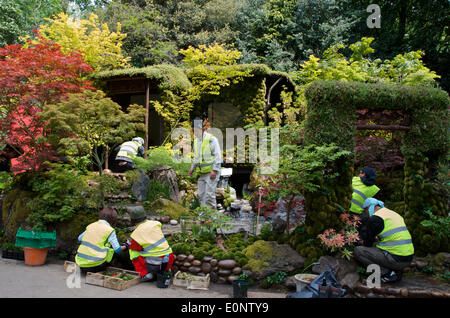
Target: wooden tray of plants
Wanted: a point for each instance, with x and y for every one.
(114, 278)
(189, 281)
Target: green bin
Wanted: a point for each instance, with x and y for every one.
(35, 239)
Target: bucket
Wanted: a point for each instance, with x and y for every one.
(162, 280)
(35, 256)
(240, 288)
(301, 280)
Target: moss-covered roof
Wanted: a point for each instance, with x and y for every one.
(168, 76)
(172, 77)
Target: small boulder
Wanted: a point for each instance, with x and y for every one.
(227, 264)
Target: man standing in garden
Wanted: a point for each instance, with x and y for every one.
(128, 151)
(207, 162)
(394, 250)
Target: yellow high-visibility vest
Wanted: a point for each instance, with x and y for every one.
(128, 150)
(95, 249)
(205, 157)
(149, 235)
(395, 237)
(361, 192)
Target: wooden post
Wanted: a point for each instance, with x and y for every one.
(147, 106)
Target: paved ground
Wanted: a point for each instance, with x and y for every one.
(50, 281)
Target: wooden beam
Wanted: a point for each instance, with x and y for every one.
(147, 109)
(382, 127)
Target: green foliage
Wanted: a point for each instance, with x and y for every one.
(212, 67)
(6, 179)
(277, 278)
(162, 156)
(88, 122)
(157, 189)
(58, 197)
(439, 225)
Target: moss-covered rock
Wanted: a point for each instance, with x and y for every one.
(168, 207)
(67, 232)
(15, 211)
(266, 258)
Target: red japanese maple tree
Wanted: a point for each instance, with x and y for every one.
(32, 76)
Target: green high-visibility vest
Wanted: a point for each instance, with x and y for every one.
(395, 237)
(205, 158)
(361, 192)
(149, 235)
(95, 249)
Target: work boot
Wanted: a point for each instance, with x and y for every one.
(390, 277)
(147, 277)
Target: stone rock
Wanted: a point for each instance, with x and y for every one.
(213, 262)
(173, 222)
(196, 262)
(108, 172)
(190, 258)
(350, 280)
(279, 225)
(181, 257)
(207, 258)
(184, 269)
(231, 278)
(421, 263)
(187, 264)
(220, 193)
(206, 267)
(246, 208)
(227, 264)
(237, 271)
(165, 219)
(195, 269)
(140, 186)
(341, 267)
(221, 280)
(223, 272)
(268, 257)
(214, 277)
(167, 175)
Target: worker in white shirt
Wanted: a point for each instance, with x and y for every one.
(207, 162)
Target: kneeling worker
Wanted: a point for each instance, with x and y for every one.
(149, 250)
(394, 250)
(98, 243)
(128, 151)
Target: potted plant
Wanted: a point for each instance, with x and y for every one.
(35, 244)
(240, 286)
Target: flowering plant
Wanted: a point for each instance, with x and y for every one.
(343, 240)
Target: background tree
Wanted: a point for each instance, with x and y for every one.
(30, 78)
(100, 48)
(20, 17)
(406, 25)
(90, 123)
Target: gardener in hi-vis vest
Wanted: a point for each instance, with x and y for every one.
(207, 162)
(99, 243)
(363, 188)
(149, 250)
(128, 151)
(394, 249)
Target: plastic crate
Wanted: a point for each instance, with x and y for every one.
(35, 239)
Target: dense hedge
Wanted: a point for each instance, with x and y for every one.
(331, 118)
